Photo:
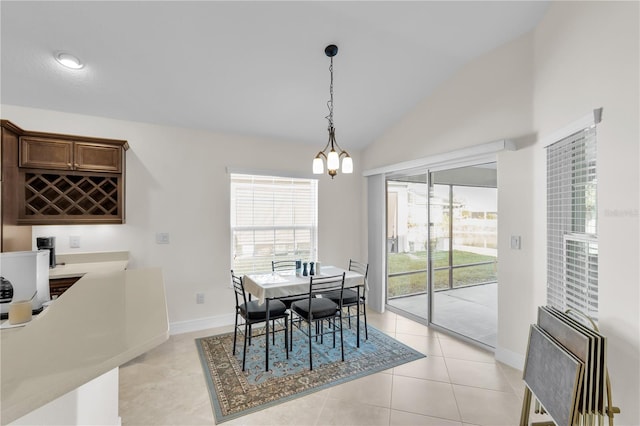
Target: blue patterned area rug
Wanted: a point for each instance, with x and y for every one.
(235, 393)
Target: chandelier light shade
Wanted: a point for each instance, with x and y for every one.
(335, 153)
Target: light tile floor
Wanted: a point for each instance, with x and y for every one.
(457, 384)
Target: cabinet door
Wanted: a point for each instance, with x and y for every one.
(97, 157)
(41, 153)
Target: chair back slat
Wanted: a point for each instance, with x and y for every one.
(359, 267)
(283, 265)
(238, 288)
(318, 286)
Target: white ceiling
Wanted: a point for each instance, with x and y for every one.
(252, 68)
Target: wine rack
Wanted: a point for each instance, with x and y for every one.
(63, 198)
(59, 179)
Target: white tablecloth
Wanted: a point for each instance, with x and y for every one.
(281, 284)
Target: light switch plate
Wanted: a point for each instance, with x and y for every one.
(515, 242)
(162, 238)
(74, 242)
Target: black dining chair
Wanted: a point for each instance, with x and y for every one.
(284, 266)
(252, 313)
(354, 298)
(317, 310)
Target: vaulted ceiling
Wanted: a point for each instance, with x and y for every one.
(250, 68)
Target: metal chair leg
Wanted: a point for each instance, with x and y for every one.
(244, 352)
(310, 357)
(341, 338)
(286, 336)
(291, 334)
(235, 334)
(273, 333)
(334, 331)
(366, 330)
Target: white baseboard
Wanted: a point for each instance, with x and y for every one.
(512, 359)
(180, 327)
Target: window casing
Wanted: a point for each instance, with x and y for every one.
(572, 241)
(272, 218)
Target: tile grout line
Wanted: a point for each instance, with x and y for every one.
(393, 376)
(453, 391)
(319, 415)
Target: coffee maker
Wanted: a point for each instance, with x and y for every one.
(48, 243)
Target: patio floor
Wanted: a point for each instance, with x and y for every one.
(470, 311)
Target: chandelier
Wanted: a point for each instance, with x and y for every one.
(332, 157)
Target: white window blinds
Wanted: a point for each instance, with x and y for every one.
(572, 243)
(272, 218)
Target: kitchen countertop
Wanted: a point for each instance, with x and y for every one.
(103, 321)
(78, 264)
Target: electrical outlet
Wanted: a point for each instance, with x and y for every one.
(162, 238)
(74, 242)
(199, 298)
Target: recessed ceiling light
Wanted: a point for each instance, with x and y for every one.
(68, 60)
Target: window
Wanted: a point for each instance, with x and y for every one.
(272, 218)
(572, 242)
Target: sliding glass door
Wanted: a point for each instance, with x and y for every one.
(442, 249)
(407, 238)
(463, 251)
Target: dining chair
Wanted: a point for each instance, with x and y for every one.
(351, 298)
(284, 266)
(252, 313)
(316, 310)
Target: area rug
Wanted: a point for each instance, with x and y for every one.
(235, 393)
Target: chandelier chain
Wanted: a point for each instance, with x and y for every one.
(330, 101)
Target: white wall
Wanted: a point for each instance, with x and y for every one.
(583, 55)
(587, 56)
(176, 182)
(488, 100)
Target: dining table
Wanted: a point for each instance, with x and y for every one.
(273, 285)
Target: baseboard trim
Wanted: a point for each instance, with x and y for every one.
(512, 359)
(180, 327)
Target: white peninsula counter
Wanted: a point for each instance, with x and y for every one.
(79, 264)
(103, 321)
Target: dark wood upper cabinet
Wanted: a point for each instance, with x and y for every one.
(14, 237)
(65, 179)
(58, 154)
(41, 153)
(97, 157)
